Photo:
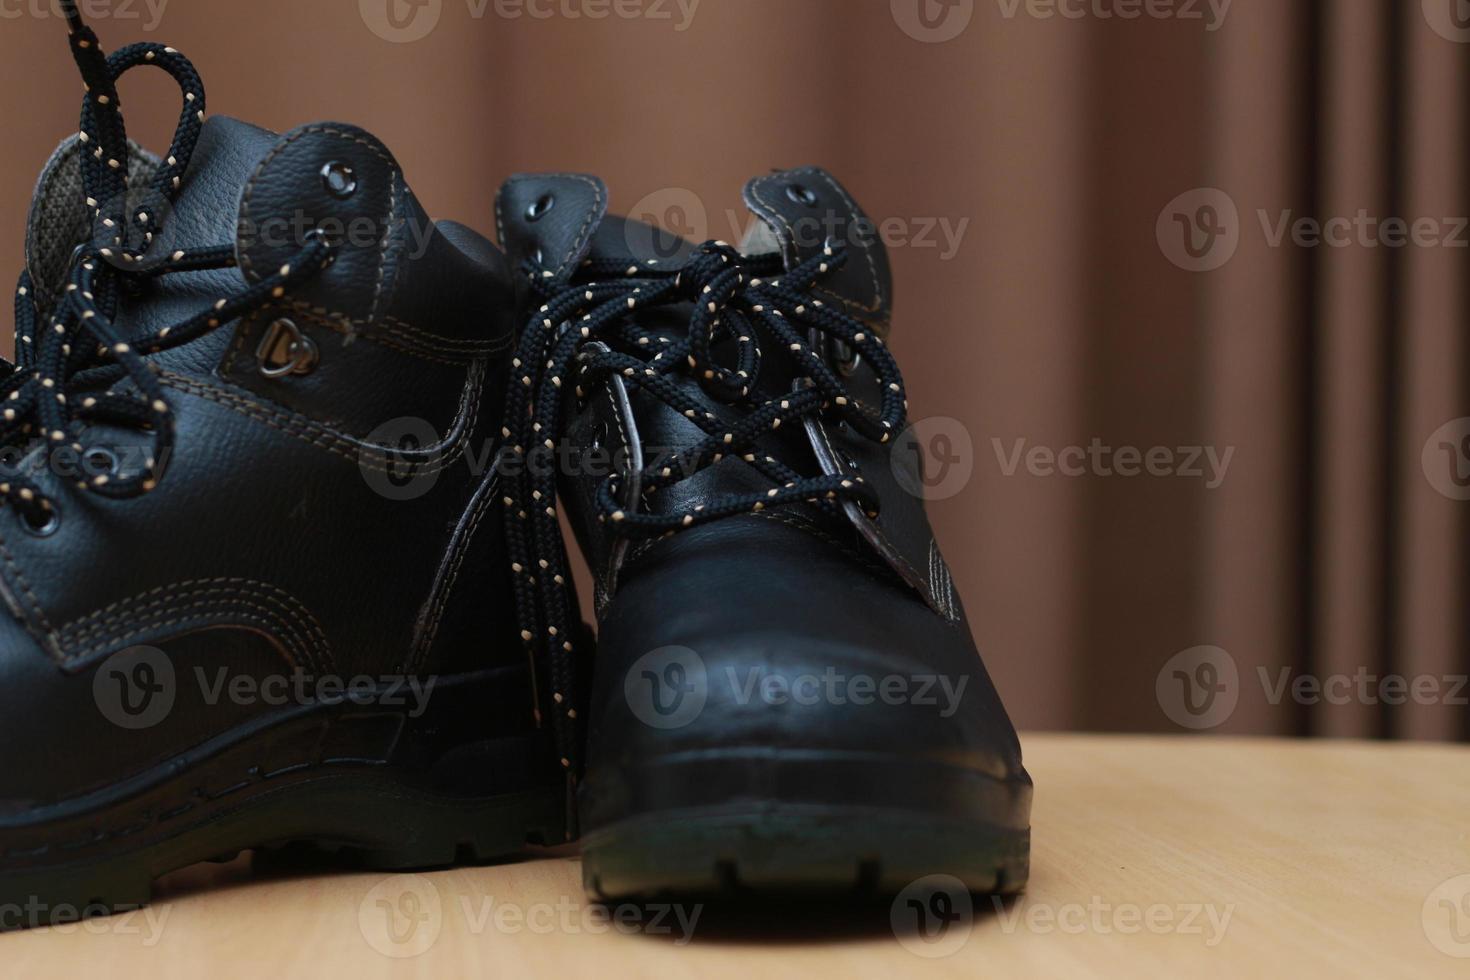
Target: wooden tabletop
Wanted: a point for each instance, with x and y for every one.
(1153, 857)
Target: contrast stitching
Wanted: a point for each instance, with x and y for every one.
(199, 597)
(143, 601)
(240, 611)
(772, 211)
(280, 148)
(25, 587)
(461, 548)
(811, 527)
(583, 234)
(893, 554)
(500, 215)
(619, 556)
(951, 607)
(389, 230)
(427, 338)
(435, 459)
(878, 298)
(406, 343)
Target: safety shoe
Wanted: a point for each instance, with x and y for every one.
(251, 597)
(787, 695)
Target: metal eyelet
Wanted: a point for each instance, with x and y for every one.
(339, 179)
(540, 207)
(801, 194)
(285, 350)
(44, 529)
(846, 359)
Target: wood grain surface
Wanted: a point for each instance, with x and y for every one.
(1153, 857)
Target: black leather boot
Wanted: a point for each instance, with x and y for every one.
(251, 596)
(787, 695)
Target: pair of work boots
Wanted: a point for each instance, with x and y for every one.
(281, 547)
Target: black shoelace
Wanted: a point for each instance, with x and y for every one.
(68, 366)
(589, 330)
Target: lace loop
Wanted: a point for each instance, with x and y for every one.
(70, 366)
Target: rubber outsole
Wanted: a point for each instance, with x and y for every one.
(373, 788)
(776, 850)
(766, 821)
(410, 833)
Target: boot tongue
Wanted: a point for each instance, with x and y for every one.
(619, 237)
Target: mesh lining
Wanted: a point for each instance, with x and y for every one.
(759, 239)
(60, 220)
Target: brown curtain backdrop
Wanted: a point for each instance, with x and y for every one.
(1073, 153)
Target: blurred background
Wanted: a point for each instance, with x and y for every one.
(1180, 284)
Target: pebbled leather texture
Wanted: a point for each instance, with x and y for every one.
(807, 206)
(331, 523)
(787, 593)
(552, 216)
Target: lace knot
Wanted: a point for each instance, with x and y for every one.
(736, 303)
(708, 264)
(75, 370)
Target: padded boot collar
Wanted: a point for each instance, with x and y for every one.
(393, 265)
(550, 219)
(805, 208)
